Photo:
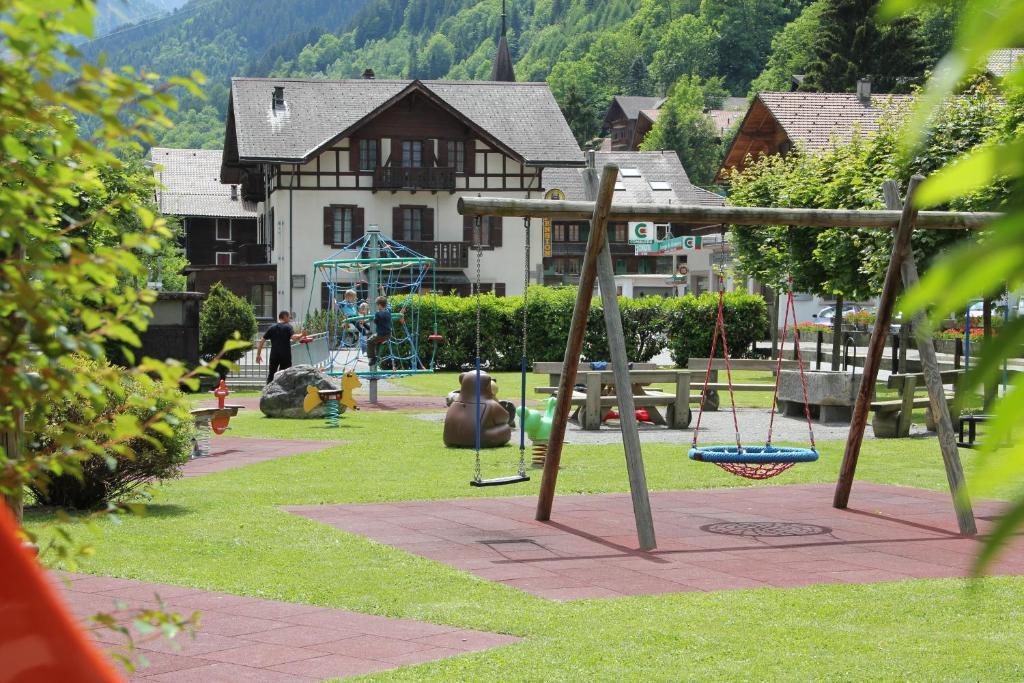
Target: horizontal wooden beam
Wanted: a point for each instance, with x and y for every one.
(716, 215)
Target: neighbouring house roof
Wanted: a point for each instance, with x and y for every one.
(724, 119)
(649, 114)
(631, 105)
(815, 122)
(663, 166)
(522, 118)
(1001, 62)
(192, 187)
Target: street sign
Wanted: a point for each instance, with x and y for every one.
(641, 232)
(673, 245)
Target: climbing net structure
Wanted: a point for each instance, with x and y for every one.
(373, 266)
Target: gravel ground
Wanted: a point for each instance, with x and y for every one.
(715, 428)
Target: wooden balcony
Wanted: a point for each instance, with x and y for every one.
(414, 178)
(446, 254)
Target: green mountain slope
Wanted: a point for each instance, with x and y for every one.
(220, 38)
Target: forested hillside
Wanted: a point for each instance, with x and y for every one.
(220, 38)
(112, 14)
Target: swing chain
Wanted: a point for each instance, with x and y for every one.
(477, 235)
(526, 289)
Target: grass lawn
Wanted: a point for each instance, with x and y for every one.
(226, 532)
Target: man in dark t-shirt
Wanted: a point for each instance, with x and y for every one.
(382, 330)
(280, 335)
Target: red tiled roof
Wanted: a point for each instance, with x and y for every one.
(817, 121)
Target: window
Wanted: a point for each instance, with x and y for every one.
(659, 185)
(412, 153)
(262, 299)
(573, 266)
(367, 155)
(629, 172)
(457, 155)
(620, 266)
(617, 232)
(412, 223)
(225, 258)
(223, 229)
(341, 224)
(619, 186)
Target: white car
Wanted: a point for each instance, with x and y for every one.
(826, 314)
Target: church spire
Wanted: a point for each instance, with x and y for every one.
(503, 70)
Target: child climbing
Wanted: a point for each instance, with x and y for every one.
(382, 330)
(362, 326)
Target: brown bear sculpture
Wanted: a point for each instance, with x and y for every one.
(460, 420)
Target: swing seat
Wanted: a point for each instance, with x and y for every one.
(501, 481)
(754, 462)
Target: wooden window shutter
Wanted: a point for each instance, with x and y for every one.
(397, 227)
(470, 161)
(442, 153)
(328, 225)
(499, 289)
(358, 218)
(353, 155)
(496, 225)
(467, 229)
(325, 297)
(428, 153)
(427, 229)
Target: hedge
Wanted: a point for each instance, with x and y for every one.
(651, 324)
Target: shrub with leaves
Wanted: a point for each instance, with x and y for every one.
(690, 324)
(111, 475)
(223, 317)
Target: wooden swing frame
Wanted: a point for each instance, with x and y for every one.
(597, 267)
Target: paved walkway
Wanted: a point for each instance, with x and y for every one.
(262, 641)
(229, 452)
(388, 402)
(780, 536)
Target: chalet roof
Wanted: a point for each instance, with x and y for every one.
(522, 117)
(630, 105)
(1001, 62)
(724, 119)
(650, 114)
(818, 120)
(652, 166)
(192, 187)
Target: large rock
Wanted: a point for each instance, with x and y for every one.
(284, 396)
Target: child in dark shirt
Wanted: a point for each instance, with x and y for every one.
(382, 326)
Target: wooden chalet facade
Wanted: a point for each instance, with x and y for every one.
(777, 122)
(222, 238)
(323, 160)
(624, 124)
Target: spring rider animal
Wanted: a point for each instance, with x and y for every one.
(537, 424)
(337, 400)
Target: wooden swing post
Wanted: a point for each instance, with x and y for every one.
(574, 344)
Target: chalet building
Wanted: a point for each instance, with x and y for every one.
(644, 177)
(222, 239)
(622, 121)
(777, 122)
(324, 160)
(629, 119)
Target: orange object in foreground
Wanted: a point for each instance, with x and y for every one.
(40, 641)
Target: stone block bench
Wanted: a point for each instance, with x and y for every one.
(700, 365)
(830, 395)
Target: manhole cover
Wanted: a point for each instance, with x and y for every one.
(762, 529)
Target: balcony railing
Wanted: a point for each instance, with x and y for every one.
(414, 178)
(446, 254)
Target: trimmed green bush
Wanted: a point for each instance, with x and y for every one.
(224, 313)
(683, 324)
(116, 470)
(690, 324)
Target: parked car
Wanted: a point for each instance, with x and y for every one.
(825, 315)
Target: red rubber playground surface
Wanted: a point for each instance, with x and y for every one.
(783, 536)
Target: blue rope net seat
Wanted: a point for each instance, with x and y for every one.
(753, 462)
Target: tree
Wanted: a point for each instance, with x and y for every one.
(223, 317)
(745, 29)
(792, 51)
(636, 79)
(683, 127)
(687, 47)
(437, 56)
(851, 44)
(582, 96)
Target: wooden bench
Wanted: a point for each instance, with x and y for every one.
(758, 364)
(893, 418)
(592, 403)
(553, 369)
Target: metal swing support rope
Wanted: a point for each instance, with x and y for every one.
(520, 475)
